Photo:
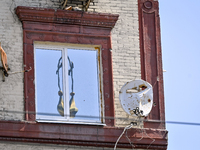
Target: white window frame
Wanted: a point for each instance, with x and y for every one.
(63, 47)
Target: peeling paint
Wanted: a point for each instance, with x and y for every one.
(100, 83)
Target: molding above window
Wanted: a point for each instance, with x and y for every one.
(66, 17)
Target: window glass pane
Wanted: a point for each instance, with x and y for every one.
(84, 84)
(47, 81)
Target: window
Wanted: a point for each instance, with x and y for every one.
(48, 32)
(67, 82)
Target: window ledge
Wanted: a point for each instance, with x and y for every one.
(70, 122)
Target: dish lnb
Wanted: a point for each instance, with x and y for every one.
(136, 98)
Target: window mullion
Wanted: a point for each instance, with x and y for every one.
(65, 84)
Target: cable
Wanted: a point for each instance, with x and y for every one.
(183, 123)
(153, 140)
(129, 140)
(20, 71)
(11, 10)
(142, 131)
(126, 128)
(112, 118)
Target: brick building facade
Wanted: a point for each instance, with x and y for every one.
(131, 52)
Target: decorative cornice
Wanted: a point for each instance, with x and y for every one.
(81, 143)
(66, 17)
(97, 136)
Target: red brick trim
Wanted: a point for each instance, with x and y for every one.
(81, 135)
(66, 17)
(151, 57)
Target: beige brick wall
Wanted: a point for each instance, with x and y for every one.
(11, 91)
(125, 43)
(125, 50)
(125, 47)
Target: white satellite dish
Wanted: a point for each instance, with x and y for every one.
(136, 98)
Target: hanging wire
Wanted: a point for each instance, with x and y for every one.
(114, 118)
(126, 128)
(20, 71)
(141, 137)
(11, 10)
(129, 141)
(142, 131)
(153, 140)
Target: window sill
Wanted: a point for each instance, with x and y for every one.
(70, 122)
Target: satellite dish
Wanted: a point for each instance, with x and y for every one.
(136, 98)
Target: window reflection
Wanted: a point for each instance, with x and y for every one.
(47, 81)
(60, 106)
(85, 83)
(73, 94)
(72, 106)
